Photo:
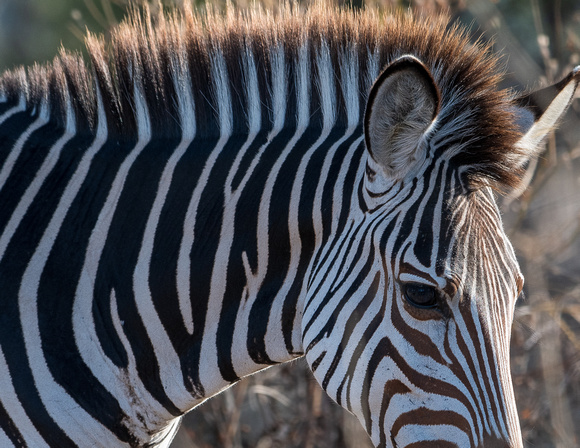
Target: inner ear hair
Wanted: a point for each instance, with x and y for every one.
(402, 104)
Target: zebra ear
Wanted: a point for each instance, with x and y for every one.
(537, 113)
(402, 105)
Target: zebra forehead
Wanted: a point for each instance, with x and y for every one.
(155, 49)
(479, 249)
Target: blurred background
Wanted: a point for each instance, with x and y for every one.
(284, 406)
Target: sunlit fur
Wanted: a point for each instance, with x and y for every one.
(154, 50)
(198, 204)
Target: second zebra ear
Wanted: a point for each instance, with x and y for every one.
(402, 105)
(537, 113)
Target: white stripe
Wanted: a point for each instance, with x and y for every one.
(349, 86)
(327, 92)
(438, 218)
(432, 433)
(279, 79)
(340, 188)
(252, 92)
(182, 84)
(38, 261)
(184, 260)
(36, 184)
(167, 358)
(303, 76)
(222, 93)
(349, 83)
(208, 356)
(243, 364)
(372, 68)
(8, 165)
(279, 86)
(349, 74)
(84, 325)
(348, 342)
(10, 402)
(326, 89)
(274, 335)
(62, 408)
(145, 414)
(4, 440)
(124, 385)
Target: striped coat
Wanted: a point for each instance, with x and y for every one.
(216, 194)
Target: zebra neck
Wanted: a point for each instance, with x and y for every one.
(262, 202)
(249, 219)
(160, 227)
(226, 232)
(274, 199)
(184, 242)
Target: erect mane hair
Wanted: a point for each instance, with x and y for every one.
(160, 53)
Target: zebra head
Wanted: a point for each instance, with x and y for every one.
(419, 292)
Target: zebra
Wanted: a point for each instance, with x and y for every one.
(214, 194)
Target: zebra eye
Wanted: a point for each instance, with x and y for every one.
(420, 296)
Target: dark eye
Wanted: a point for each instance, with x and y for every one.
(420, 296)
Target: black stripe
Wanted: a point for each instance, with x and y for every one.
(423, 247)
(351, 323)
(8, 427)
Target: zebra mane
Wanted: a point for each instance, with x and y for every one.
(160, 57)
